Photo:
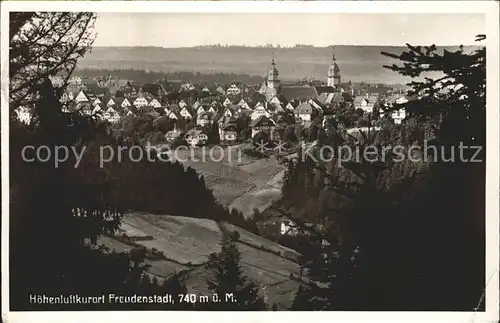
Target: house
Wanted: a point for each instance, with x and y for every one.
(97, 109)
(242, 102)
(174, 115)
(325, 89)
(24, 114)
(174, 85)
(187, 87)
(140, 101)
(211, 109)
(200, 110)
(304, 112)
(227, 130)
(186, 114)
(398, 114)
(228, 113)
(290, 107)
(205, 89)
(75, 80)
(81, 97)
(196, 105)
(90, 96)
(258, 111)
(96, 102)
(233, 90)
(300, 93)
(182, 104)
(153, 89)
(111, 115)
(125, 103)
(227, 102)
(64, 98)
(220, 90)
(98, 90)
(366, 103)
(174, 107)
(274, 100)
(278, 109)
(331, 98)
(288, 227)
(315, 104)
(262, 89)
(85, 108)
(155, 103)
(196, 137)
(263, 123)
(204, 119)
(172, 134)
(110, 103)
(244, 105)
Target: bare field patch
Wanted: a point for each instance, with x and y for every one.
(258, 241)
(271, 272)
(186, 240)
(165, 268)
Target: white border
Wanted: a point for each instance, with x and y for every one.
(489, 8)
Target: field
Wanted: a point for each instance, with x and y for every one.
(237, 181)
(187, 243)
(357, 63)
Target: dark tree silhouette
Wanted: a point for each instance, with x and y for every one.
(228, 279)
(399, 242)
(44, 44)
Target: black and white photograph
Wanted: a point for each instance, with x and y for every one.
(314, 157)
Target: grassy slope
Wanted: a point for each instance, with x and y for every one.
(357, 63)
(187, 243)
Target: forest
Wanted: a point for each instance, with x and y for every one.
(144, 77)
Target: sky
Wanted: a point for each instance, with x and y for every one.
(187, 30)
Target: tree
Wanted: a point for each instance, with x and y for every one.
(289, 134)
(164, 124)
(178, 142)
(175, 285)
(228, 278)
(367, 254)
(312, 133)
(261, 138)
(45, 44)
(66, 208)
(243, 126)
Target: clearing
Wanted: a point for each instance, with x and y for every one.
(187, 243)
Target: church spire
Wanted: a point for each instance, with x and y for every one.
(333, 75)
(272, 75)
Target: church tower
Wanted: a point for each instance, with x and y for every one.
(272, 76)
(333, 76)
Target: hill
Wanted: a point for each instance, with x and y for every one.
(186, 244)
(357, 63)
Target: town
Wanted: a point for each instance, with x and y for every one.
(239, 112)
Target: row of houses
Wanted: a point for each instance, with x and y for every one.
(113, 98)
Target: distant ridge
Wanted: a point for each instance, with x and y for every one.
(357, 63)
